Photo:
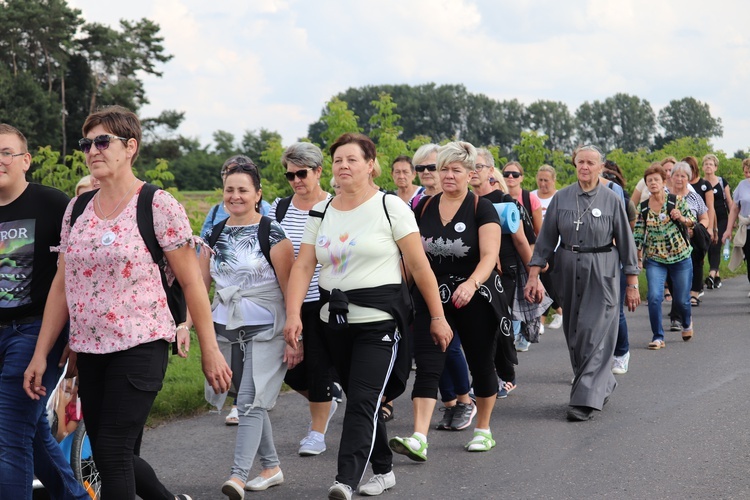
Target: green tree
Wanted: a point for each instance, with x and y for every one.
(255, 142)
(274, 183)
(224, 145)
(386, 133)
(552, 119)
(621, 121)
(688, 117)
(532, 153)
(338, 119)
(47, 170)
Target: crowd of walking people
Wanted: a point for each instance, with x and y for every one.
(451, 278)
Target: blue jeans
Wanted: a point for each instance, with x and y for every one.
(623, 343)
(681, 274)
(26, 443)
(455, 377)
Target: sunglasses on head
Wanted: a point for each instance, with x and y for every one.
(300, 174)
(100, 141)
(515, 175)
(239, 164)
(421, 168)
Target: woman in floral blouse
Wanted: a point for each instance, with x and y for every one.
(658, 237)
(120, 324)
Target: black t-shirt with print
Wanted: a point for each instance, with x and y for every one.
(454, 248)
(701, 187)
(720, 203)
(29, 226)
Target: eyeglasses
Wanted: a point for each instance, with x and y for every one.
(300, 174)
(480, 166)
(515, 175)
(6, 157)
(421, 168)
(100, 141)
(239, 164)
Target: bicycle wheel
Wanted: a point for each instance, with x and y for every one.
(82, 462)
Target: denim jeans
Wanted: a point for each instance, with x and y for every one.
(623, 343)
(455, 377)
(681, 274)
(26, 443)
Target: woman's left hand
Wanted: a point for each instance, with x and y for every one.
(463, 294)
(441, 332)
(292, 356)
(632, 298)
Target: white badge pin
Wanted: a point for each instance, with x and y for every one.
(460, 227)
(596, 212)
(108, 238)
(662, 217)
(322, 240)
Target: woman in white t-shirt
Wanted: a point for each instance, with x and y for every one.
(546, 177)
(356, 237)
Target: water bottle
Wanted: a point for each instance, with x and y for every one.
(726, 250)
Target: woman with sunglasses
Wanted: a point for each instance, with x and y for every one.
(303, 163)
(248, 312)
(425, 159)
(356, 238)
(461, 235)
(109, 287)
(513, 174)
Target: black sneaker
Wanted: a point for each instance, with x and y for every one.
(445, 423)
(463, 415)
(717, 282)
(709, 281)
(337, 392)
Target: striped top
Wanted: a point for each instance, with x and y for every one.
(294, 225)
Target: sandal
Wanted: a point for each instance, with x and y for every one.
(695, 301)
(403, 446)
(687, 333)
(482, 441)
(655, 345)
(386, 412)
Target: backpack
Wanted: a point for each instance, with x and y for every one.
(264, 233)
(282, 206)
(528, 225)
(145, 219)
(671, 204)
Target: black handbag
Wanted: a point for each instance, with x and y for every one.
(701, 239)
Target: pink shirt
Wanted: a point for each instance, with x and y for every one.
(535, 203)
(114, 293)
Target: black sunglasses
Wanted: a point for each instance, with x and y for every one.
(421, 168)
(240, 164)
(100, 141)
(300, 174)
(515, 175)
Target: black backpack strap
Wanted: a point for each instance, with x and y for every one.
(80, 205)
(282, 206)
(671, 201)
(264, 238)
(526, 197)
(145, 218)
(216, 232)
(315, 213)
(644, 209)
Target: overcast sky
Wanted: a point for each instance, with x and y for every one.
(245, 64)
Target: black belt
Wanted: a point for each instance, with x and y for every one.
(580, 249)
(19, 321)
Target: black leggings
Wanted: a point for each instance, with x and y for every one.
(476, 326)
(315, 373)
(117, 391)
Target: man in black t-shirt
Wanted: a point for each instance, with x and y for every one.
(30, 220)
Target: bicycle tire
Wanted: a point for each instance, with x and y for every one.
(82, 462)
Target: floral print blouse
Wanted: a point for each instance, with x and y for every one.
(114, 291)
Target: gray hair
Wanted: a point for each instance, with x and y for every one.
(588, 147)
(485, 153)
(550, 169)
(683, 166)
(423, 152)
(457, 152)
(302, 154)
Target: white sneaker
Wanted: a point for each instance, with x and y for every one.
(340, 491)
(378, 484)
(233, 417)
(620, 364)
(556, 321)
(313, 444)
(541, 328)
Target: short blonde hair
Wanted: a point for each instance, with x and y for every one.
(457, 152)
(84, 183)
(746, 163)
(550, 169)
(711, 157)
(498, 176)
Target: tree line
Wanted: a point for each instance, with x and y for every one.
(55, 69)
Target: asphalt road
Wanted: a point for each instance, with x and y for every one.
(675, 427)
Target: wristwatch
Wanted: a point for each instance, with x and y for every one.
(632, 286)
